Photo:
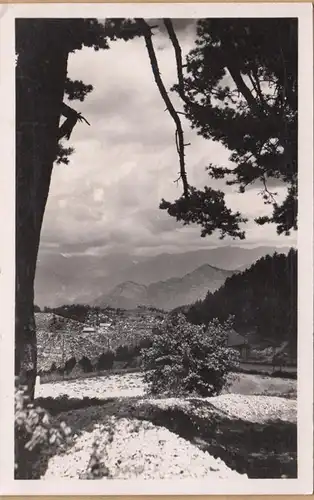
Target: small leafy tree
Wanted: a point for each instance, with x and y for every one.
(186, 358)
(56, 323)
(53, 367)
(122, 353)
(105, 360)
(86, 364)
(70, 364)
(145, 343)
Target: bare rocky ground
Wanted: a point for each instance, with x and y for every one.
(111, 386)
(139, 449)
(232, 436)
(131, 385)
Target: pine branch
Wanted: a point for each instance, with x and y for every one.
(242, 87)
(72, 117)
(178, 54)
(259, 90)
(179, 131)
(267, 193)
(233, 70)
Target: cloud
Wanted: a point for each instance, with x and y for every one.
(107, 198)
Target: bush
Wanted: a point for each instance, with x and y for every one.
(36, 439)
(145, 343)
(105, 360)
(186, 358)
(53, 367)
(122, 353)
(56, 323)
(134, 352)
(127, 354)
(86, 364)
(69, 365)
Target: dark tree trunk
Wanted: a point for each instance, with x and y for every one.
(40, 79)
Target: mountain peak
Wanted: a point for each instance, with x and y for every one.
(167, 294)
(100, 275)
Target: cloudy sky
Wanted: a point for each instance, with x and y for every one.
(106, 200)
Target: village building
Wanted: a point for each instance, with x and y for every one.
(104, 325)
(87, 330)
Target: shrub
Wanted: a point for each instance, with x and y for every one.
(122, 353)
(127, 354)
(69, 365)
(105, 360)
(53, 367)
(56, 323)
(134, 351)
(186, 358)
(36, 439)
(60, 370)
(86, 364)
(145, 343)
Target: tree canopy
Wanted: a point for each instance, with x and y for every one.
(262, 299)
(240, 88)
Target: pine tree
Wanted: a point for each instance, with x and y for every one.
(42, 48)
(240, 88)
(262, 299)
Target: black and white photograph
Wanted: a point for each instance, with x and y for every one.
(158, 320)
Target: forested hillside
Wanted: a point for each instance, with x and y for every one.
(262, 299)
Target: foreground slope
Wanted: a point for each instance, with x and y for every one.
(231, 436)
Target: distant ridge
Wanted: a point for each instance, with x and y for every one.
(84, 278)
(166, 294)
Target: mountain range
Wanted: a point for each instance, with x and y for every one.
(67, 279)
(167, 294)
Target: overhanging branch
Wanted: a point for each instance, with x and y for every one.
(179, 131)
(178, 54)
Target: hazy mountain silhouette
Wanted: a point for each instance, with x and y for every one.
(167, 294)
(65, 279)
